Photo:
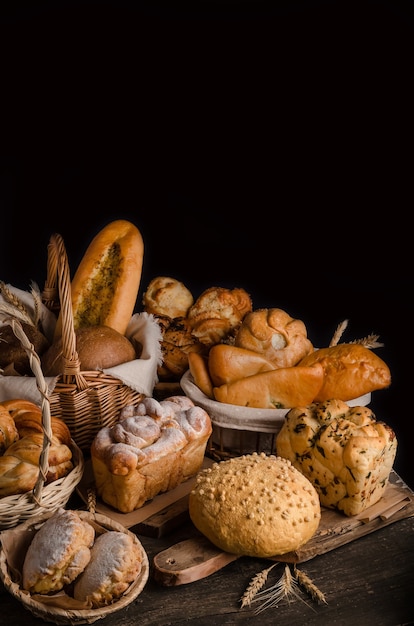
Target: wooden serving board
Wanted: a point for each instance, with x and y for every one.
(196, 557)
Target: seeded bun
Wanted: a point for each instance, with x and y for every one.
(255, 505)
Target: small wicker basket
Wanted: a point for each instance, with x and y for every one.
(86, 401)
(43, 498)
(62, 609)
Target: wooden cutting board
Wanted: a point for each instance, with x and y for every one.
(196, 557)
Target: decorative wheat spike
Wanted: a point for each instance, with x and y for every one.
(309, 586)
(285, 588)
(370, 342)
(13, 305)
(256, 583)
(338, 333)
(37, 302)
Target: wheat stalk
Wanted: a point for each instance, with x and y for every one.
(338, 333)
(284, 589)
(309, 586)
(371, 341)
(257, 582)
(13, 306)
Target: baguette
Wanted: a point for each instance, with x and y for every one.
(350, 370)
(228, 363)
(281, 388)
(106, 283)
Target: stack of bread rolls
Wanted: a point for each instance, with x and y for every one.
(192, 326)
(21, 444)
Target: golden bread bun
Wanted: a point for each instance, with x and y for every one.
(116, 561)
(98, 347)
(255, 505)
(58, 552)
(217, 313)
(281, 388)
(350, 370)
(276, 335)
(13, 357)
(342, 450)
(177, 343)
(167, 296)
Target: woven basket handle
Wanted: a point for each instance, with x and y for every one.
(45, 405)
(58, 266)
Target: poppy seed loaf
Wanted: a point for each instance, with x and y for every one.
(255, 505)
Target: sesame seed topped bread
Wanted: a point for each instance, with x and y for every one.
(58, 552)
(255, 505)
(116, 561)
(344, 451)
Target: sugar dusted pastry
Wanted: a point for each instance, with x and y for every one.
(344, 451)
(154, 447)
(116, 561)
(58, 552)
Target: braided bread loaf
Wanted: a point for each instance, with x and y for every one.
(153, 448)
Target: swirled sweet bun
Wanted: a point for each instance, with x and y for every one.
(255, 505)
(58, 552)
(116, 561)
(277, 336)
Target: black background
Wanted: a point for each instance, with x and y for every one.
(267, 146)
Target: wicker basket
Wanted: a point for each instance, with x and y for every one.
(85, 401)
(43, 498)
(65, 610)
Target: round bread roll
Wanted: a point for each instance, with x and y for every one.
(255, 505)
(13, 357)
(98, 347)
(116, 561)
(276, 335)
(58, 553)
(167, 296)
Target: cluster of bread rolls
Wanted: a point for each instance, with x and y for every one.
(66, 553)
(21, 444)
(272, 364)
(191, 325)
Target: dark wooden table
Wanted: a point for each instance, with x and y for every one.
(367, 581)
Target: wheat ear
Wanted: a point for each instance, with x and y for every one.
(309, 586)
(256, 583)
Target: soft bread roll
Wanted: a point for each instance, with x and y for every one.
(217, 314)
(167, 296)
(58, 553)
(342, 450)
(255, 505)
(8, 431)
(281, 388)
(98, 348)
(116, 561)
(176, 344)
(12, 353)
(198, 365)
(19, 465)
(153, 448)
(276, 335)
(227, 363)
(350, 370)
